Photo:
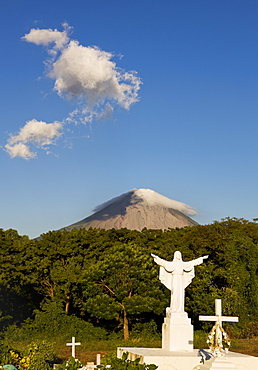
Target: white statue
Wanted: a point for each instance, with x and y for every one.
(176, 276)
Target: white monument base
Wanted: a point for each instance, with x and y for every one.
(198, 359)
(219, 363)
(177, 332)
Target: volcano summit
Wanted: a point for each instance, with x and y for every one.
(137, 209)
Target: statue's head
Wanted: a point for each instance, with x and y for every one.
(177, 256)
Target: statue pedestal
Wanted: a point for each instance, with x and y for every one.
(177, 332)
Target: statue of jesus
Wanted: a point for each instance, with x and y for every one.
(176, 276)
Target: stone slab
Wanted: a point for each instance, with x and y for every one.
(186, 360)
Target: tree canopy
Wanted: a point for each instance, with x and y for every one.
(122, 284)
(108, 278)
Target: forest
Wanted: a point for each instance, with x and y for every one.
(105, 283)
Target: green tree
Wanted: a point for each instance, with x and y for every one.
(55, 263)
(123, 285)
(17, 297)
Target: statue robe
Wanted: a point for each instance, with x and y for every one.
(176, 276)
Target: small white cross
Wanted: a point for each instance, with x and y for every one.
(218, 318)
(73, 344)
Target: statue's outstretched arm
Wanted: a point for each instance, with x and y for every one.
(159, 261)
(198, 261)
(156, 258)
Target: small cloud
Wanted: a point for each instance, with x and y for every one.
(107, 112)
(36, 132)
(19, 150)
(152, 197)
(47, 37)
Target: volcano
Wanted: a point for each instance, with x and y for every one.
(138, 209)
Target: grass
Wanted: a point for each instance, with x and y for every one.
(88, 351)
(247, 346)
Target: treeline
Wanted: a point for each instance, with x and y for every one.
(108, 278)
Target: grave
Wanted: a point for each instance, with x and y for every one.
(90, 365)
(177, 352)
(217, 333)
(73, 345)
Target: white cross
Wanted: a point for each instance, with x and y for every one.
(218, 318)
(73, 344)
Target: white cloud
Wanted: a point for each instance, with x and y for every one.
(19, 150)
(46, 37)
(36, 132)
(85, 115)
(89, 73)
(85, 74)
(151, 197)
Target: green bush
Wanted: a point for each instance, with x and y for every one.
(145, 330)
(71, 364)
(124, 364)
(4, 353)
(38, 355)
(52, 322)
(41, 354)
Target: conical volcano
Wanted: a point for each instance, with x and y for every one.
(138, 209)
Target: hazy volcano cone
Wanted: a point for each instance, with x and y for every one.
(136, 210)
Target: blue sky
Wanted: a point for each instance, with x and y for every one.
(191, 136)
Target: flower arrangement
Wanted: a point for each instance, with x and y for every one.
(218, 340)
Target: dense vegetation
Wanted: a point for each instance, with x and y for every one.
(96, 283)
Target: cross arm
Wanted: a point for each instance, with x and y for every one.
(208, 318)
(218, 318)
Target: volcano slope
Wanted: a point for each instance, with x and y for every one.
(138, 209)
